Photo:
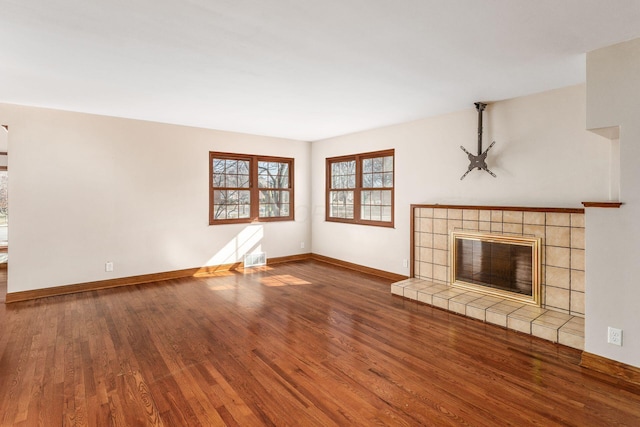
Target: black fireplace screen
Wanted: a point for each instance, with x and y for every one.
(504, 266)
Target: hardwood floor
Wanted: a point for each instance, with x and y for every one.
(300, 344)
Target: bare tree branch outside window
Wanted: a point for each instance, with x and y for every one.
(360, 188)
(249, 188)
(273, 181)
(4, 201)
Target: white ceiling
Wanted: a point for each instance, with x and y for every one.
(301, 69)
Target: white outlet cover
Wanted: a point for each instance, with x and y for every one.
(614, 336)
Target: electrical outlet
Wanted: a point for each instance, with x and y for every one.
(614, 336)
(108, 266)
(405, 263)
(301, 245)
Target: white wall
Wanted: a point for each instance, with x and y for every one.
(613, 235)
(543, 157)
(87, 189)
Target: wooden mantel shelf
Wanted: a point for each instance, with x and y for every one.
(602, 204)
(502, 208)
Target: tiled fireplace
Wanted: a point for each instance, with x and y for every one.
(560, 314)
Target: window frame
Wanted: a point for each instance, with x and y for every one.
(358, 189)
(253, 188)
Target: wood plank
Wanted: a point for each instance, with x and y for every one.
(301, 343)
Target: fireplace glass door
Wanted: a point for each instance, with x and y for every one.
(495, 264)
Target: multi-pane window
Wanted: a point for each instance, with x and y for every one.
(231, 193)
(360, 188)
(343, 183)
(273, 188)
(250, 188)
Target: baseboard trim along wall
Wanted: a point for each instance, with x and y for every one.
(189, 272)
(610, 367)
(360, 268)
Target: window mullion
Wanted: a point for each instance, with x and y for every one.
(357, 191)
(328, 188)
(253, 188)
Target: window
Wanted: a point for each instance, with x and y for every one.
(4, 222)
(360, 188)
(246, 188)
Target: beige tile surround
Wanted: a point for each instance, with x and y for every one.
(561, 315)
(562, 233)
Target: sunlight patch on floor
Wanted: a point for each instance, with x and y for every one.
(223, 287)
(283, 280)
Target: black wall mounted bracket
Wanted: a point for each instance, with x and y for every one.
(478, 161)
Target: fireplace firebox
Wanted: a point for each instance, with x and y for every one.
(500, 265)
